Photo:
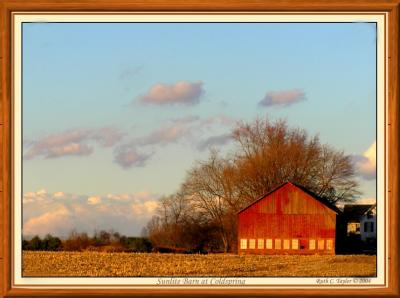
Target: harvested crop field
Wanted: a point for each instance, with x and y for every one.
(152, 264)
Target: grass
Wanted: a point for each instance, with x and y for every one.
(151, 264)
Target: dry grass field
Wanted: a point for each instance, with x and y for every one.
(147, 264)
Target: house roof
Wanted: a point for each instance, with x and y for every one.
(310, 193)
(354, 211)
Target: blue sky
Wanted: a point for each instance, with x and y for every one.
(114, 110)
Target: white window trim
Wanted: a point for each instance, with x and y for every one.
(323, 244)
(252, 241)
(295, 244)
(329, 244)
(286, 244)
(280, 244)
(309, 244)
(262, 242)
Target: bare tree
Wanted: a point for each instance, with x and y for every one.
(272, 153)
(171, 222)
(211, 187)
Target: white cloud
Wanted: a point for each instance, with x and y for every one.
(366, 163)
(220, 119)
(143, 195)
(59, 194)
(213, 141)
(182, 92)
(94, 200)
(366, 201)
(282, 98)
(128, 157)
(151, 206)
(57, 214)
(144, 208)
(69, 149)
(54, 222)
(41, 192)
(107, 136)
(170, 132)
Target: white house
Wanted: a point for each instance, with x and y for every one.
(361, 221)
(368, 225)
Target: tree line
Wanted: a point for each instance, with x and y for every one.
(202, 214)
(108, 241)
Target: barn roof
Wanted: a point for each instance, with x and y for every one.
(354, 211)
(310, 193)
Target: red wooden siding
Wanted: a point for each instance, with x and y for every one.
(288, 213)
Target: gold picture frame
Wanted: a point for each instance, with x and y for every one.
(10, 8)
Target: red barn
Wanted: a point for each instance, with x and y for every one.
(288, 220)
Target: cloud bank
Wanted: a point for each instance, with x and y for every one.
(134, 152)
(59, 213)
(182, 92)
(129, 154)
(189, 128)
(282, 98)
(366, 163)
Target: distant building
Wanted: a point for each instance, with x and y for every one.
(288, 220)
(361, 221)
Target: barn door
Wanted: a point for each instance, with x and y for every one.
(303, 243)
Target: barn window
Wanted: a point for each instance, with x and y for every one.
(286, 244)
(295, 244)
(312, 244)
(321, 244)
(260, 244)
(243, 243)
(329, 244)
(277, 243)
(252, 243)
(269, 243)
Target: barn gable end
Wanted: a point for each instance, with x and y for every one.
(289, 219)
(289, 198)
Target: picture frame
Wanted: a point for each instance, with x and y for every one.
(7, 92)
